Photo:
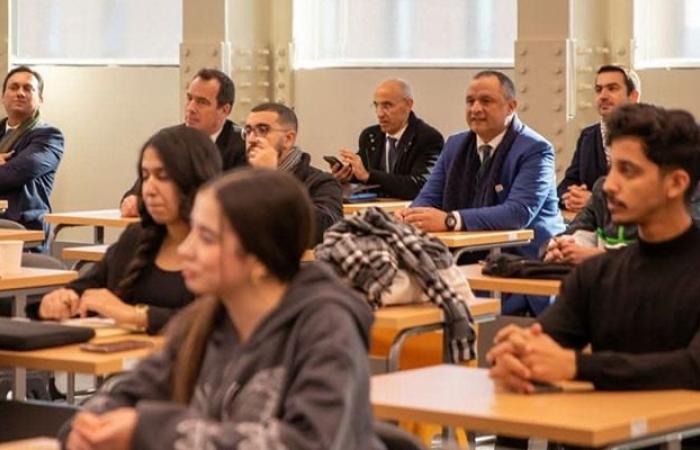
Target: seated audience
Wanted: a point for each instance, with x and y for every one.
(139, 281)
(270, 135)
(30, 150)
(210, 98)
(614, 86)
(398, 153)
(272, 355)
(636, 307)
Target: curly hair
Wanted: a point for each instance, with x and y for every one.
(190, 159)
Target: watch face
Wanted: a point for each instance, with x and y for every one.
(450, 222)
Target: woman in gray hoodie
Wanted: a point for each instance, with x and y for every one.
(271, 355)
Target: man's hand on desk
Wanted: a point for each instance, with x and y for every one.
(576, 197)
(426, 219)
(60, 304)
(521, 356)
(129, 206)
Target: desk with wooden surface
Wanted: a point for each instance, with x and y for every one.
(41, 443)
(31, 281)
(494, 240)
(465, 397)
(529, 286)
(403, 321)
(71, 359)
(30, 236)
(99, 219)
(386, 204)
(84, 254)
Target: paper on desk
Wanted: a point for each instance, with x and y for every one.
(90, 322)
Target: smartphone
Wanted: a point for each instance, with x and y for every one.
(543, 387)
(116, 346)
(332, 160)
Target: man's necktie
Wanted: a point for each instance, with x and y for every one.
(392, 154)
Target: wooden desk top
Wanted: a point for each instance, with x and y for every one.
(97, 218)
(387, 204)
(406, 316)
(458, 239)
(31, 277)
(461, 396)
(42, 443)
(91, 253)
(479, 281)
(70, 358)
(7, 234)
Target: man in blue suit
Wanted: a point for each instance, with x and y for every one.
(30, 150)
(497, 176)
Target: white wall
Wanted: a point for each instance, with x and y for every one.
(106, 114)
(334, 105)
(676, 88)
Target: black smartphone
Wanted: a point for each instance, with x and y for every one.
(332, 160)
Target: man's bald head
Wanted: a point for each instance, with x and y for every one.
(393, 101)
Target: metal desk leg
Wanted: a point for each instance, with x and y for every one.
(99, 235)
(395, 349)
(19, 384)
(70, 388)
(19, 305)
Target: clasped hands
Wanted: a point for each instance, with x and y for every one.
(113, 430)
(520, 356)
(65, 303)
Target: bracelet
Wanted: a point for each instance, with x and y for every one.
(141, 311)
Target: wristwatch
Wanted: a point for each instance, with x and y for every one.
(450, 221)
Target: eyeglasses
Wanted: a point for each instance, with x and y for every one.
(260, 130)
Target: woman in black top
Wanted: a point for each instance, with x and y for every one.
(139, 281)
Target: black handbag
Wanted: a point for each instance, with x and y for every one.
(514, 266)
(25, 335)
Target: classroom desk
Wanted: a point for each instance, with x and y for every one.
(84, 254)
(405, 321)
(386, 204)
(484, 240)
(99, 219)
(31, 236)
(479, 281)
(71, 359)
(465, 397)
(41, 443)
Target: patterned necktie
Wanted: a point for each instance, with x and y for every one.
(392, 154)
(487, 152)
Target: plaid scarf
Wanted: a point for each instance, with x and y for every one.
(289, 163)
(12, 135)
(368, 249)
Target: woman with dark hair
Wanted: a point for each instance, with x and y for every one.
(139, 281)
(272, 354)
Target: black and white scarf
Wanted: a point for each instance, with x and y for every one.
(370, 247)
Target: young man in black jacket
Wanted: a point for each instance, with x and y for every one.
(398, 153)
(270, 136)
(637, 307)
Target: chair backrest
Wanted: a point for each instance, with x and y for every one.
(41, 261)
(488, 330)
(11, 224)
(23, 420)
(394, 438)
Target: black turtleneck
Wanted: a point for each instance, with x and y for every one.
(639, 308)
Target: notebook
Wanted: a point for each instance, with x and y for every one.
(26, 335)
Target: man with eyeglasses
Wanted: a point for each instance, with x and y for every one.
(270, 134)
(398, 153)
(210, 97)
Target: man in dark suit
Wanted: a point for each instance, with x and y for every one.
(30, 150)
(614, 86)
(210, 97)
(398, 153)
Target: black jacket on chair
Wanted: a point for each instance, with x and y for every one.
(589, 162)
(418, 149)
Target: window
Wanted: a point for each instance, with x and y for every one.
(96, 31)
(336, 33)
(667, 33)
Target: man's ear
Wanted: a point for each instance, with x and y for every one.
(677, 183)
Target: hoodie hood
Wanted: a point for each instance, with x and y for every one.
(316, 287)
